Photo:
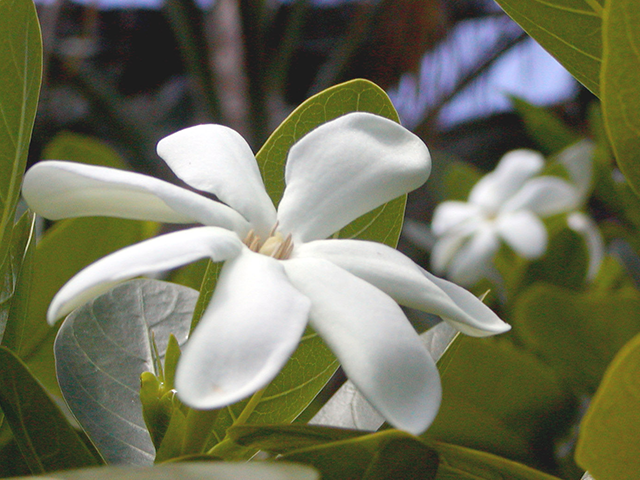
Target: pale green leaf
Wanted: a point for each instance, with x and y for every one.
(20, 74)
(568, 29)
(620, 85)
(192, 471)
(608, 443)
(102, 349)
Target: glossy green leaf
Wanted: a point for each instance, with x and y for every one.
(193, 471)
(620, 85)
(46, 439)
(500, 399)
(578, 334)
(608, 443)
(459, 463)
(65, 249)
(570, 30)
(102, 349)
(549, 132)
(16, 275)
(20, 74)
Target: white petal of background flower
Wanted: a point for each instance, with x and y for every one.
(154, 255)
(346, 168)
(588, 229)
(216, 159)
(544, 196)
(473, 260)
(450, 215)
(248, 332)
(515, 168)
(523, 232)
(58, 190)
(401, 279)
(378, 348)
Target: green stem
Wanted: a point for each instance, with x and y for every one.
(198, 430)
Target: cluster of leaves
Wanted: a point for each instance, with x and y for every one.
(515, 397)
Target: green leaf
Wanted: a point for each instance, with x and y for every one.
(568, 29)
(84, 149)
(549, 132)
(500, 399)
(391, 454)
(578, 334)
(16, 274)
(608, 441)
(20, 75)
(620, 85)
(46, 439)
(193, 471)
(66, 248)
(102, 349)
(461, 463)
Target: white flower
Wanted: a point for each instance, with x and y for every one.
(279, 272)
(505, 205)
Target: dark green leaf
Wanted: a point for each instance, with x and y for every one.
(568, 29)
(20, 74)
(84, 149)
(608, 442)
(391, 454)
(102, 349)
(620, 85)
(46, 439)
(16, 275)
(459, 463)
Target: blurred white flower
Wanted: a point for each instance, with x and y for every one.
(279, 272)
(506, 205)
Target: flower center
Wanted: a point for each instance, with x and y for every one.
(276, 245)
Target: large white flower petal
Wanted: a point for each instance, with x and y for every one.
(471, 305)
(514, 169)
(445, 249)
(155, 255)
(473, 260)
(56, 190)
(346, 168)
(578, 160)
(248, 332)
(375, 343)
(524, 233)
(452, 214)
(400, 278)
(544, 196)
(216, 159)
